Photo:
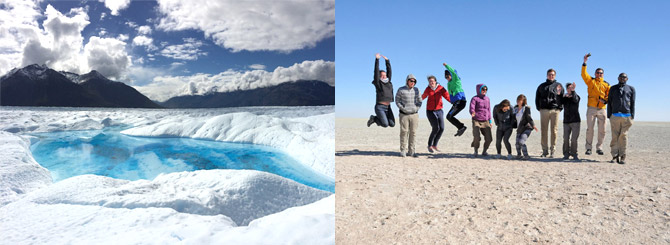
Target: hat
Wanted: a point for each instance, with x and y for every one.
(410, 76)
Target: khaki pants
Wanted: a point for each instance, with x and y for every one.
(620, 127)
(481, 127)
(548, 116)
(408, 126)
(592, 114)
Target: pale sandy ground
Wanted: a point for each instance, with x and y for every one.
(452, 197)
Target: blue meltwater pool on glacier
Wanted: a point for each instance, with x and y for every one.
(110, 153)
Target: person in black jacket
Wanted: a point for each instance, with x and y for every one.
(504, 118)
(621, 112)
(548, 102)
(525, 126)
(571, 121)
(382, 81)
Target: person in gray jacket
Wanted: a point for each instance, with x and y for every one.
(621, 112)
(408, 100)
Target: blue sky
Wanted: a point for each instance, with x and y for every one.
(193, 46)
(507, 45)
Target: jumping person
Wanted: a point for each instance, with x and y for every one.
(548, 102)
(384, 88)
(598, 90)
(621, 112)
(480, 110)
(571, 121)
(457, 95)
(434, 92)
(505, 121)
(408, 101)
(525, 126)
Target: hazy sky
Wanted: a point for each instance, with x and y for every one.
(167, 47)
(508, 45)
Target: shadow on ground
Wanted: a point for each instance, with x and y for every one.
(356, 152)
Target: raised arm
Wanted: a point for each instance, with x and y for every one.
(388, 67)
(376, 76)
(585, 75)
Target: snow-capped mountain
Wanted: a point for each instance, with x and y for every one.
(300, 93)
(38, 85)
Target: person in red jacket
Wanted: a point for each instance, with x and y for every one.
(435, 92)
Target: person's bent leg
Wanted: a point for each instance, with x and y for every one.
(590, 123)
(389, 116)
(544, 124)
(380, 112)
(488, 138)
(476, 135)
(455, 109)
(440, 126)
(524, 138)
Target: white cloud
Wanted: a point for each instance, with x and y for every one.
(257, 67)
(253, 25)
(108, 56)
(144, 30)
(102, 32)
(144, 41)
(103, 15)
(165, 87)
(18, 25)
(131, 24)
(123, 37)
(116, 5)
(190, 50)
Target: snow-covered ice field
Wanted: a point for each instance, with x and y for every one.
(205, 206)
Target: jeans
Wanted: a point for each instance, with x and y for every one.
(436, 119)
(384, 115)
(570, 143)
(503, 136)
(521, 142)
(455, 109)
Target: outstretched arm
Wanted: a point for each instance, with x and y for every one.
(585, 75)
(388, 67)
(376, 76)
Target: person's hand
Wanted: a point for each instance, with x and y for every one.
(586, 57)
(377, 55)
(444, 64)
(385, 57)
(473, 114)
(535, 128)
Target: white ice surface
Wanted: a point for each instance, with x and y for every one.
(192, 207)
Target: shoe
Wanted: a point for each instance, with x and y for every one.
(475, 152)
(526, 158)
(615, 158)
(509, 157)
(544, 153)
(519, 157)
(623, 159)
(566, 157)
(575, 157)
(435, 149)
(371, 121)
(498, 156)
(430, 149)
(600, 152)
(402, 154)
(551, 155)
(461, 131)
(588, 152)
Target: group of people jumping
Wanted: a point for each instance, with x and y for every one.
(604, 101)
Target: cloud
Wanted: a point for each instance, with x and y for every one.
(143, 30)
(190, 50)
(18, 26)
(144, 41)
(123, 37)
(253, 25)
(165, 87)
(257, 67)
(108, 56)
(116, 5)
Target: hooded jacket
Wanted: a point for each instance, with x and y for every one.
(480, 105)
(526, 122)
(435, 97)
(384, 90)
(547, 96)
(456, 92)
(504, 120)
(571, 106)
(621, 100)
(408, 99)
(597, 88)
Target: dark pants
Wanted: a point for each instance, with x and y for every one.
(521, 142)
(384, 115)
(436, 119)
(455, 109)
(503, 136)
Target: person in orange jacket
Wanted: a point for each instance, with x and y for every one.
(598, 90)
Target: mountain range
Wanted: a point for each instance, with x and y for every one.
(38, 85)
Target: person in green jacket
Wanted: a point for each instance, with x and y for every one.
(457, 95)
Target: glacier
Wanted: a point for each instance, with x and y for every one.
(205, 206)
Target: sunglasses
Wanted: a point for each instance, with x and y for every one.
(485, 89)
(623, 77)
(599, 73)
